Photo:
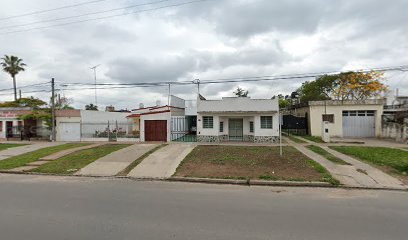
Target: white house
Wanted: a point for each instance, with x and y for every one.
(348, 118)
(12, 127)
(160, 123)
(238, 119)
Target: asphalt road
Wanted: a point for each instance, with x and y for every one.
(39, 207)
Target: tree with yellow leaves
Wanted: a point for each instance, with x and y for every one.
(344, 86)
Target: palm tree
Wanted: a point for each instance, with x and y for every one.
(13, 65)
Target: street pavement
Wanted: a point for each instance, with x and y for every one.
(162, 163)
(113, 163)
(50, 207)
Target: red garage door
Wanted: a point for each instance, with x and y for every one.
(156, 130)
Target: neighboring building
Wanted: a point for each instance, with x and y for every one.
(160, 123)
(346, 118)
(87, 125)
(12, 127)
(237, 119)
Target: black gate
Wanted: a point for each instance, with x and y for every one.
(295, 125)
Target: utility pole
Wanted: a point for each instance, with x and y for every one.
(19, 93)
(168, 97)
(198, 85)
(53, 110)
(96, 96)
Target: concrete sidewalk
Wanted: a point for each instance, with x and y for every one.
(353, 175)
(11, 152)
(113, 163)
(163, 163)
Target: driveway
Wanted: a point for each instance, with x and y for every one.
(11, 152)
(113, 163)
(357, 174)
(162, 163)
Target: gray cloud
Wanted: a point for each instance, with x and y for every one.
(209, 40)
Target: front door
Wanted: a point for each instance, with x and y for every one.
(9, 129)
(235, 127)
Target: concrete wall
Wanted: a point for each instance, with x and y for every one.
(238, 104)
(336, 128)
(396, 131)
(104, 117)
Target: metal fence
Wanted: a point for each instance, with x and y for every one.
(111, 130)
(183, 129)
(28, 133)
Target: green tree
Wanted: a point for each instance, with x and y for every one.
(13, 65)
(91, 107)
(241, 92)
(30, 102)
(319, 89)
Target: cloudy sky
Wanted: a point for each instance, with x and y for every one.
(211, 39)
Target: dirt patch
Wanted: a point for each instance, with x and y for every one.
(241, 162)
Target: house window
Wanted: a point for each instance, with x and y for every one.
(251, 127)
(221, 126)
(266, 122)
(208, 122)
(328, 118)
(1, 126)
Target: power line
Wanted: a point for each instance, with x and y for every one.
(228, 80)
(83, 15)
(51, 9)
(106, 17)
(32, 85)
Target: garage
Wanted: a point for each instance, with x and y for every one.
(156, 130)
(359, 123)
(70, 131)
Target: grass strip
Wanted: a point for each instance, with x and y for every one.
(4, 146)
(295, 139)
(313, 138)
(129, 168)
(327, 155)
(23, 159)
(73, 162)
(326, 176)
(396, 159)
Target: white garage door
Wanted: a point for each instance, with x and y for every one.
(358, 123)
(70, 132)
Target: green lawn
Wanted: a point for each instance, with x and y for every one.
(327, 155)
(4, 146)
(396, 159)
(313, 138)
(23, 159)
(75, 161)
(251, 162)
(295, 139)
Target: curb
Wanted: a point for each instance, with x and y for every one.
(249, 182)
(218, 181)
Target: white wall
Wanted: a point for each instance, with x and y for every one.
(158, 116)
(238, 104)
(266, 132)
(221, 117)
(61, 120)
(103, 117)
(336, 128)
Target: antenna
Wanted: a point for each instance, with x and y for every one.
(96, 96)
